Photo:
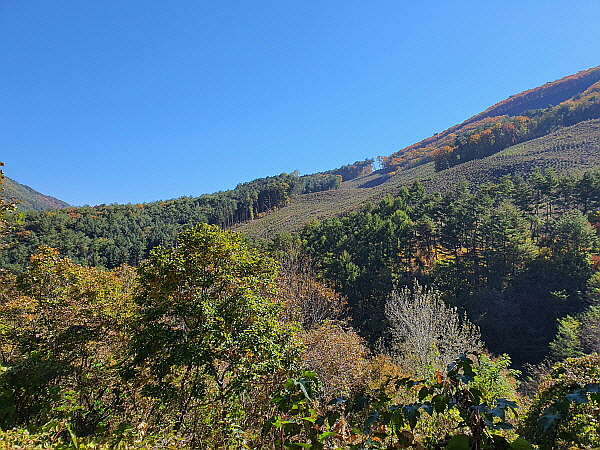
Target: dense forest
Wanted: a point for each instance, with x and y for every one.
(111, 235)
(514, 255)
(462, 319)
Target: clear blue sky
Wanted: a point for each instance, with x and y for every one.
(130, 101)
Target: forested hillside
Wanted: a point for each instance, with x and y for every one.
(515, 255)
(568, 150)
(521, 117)
(29, 198)
(110, 235)
(449, 301)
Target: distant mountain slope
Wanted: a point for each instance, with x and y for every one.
(576, 99)
(111, 235)
(30, 198)
(561, 137)
(543, 96)
(571, 149)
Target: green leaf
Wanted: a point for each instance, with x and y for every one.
(477, 395)
(423, 393)
(503, 403)
(360, 402)
(326, 434)
(332, 418)
(459, 442)
(336, 401)
(548, 419)
(427, 408)
(520, 444)
(268, 426)
(504, 426)
(370, 421)
(440, 403)
(412, 414)
(578, 396)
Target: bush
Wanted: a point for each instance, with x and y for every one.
(565, 412)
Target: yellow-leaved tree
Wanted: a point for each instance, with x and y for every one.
(63, 328)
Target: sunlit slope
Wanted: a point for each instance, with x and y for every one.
(576, 98)
(575, 148)
(29, 198)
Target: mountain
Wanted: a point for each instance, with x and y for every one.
(524, 116)
(553, 126)
(29, 198)
(564, 137)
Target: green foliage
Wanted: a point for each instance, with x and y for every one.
(577, 336)
(513, 255)
(495, 378)
(565, 412)
(109, 236)
(300, 421)
(62, 328)
(376, 422)
(567, 343)
(207, 328)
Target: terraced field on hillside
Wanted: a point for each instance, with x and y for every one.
(575, 148)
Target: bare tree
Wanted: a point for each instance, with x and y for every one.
(428, 335)
(309, 301)
(590, 330)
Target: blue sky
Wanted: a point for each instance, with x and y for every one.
(130, 101)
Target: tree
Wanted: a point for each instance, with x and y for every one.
(427, 334)
(308, 301)
(567, 343)
(5, 206)
(62, 333)
(506, 242)
(339, 356)
(577, 336)
(208, 326)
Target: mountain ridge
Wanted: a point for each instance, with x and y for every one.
(540, 97)
(28, 198)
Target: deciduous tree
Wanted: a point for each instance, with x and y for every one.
(208, 327)
(427, 334)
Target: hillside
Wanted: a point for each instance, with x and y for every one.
(561, 137)
(29, 198)
(116, 234)
(529, 114)
(110, 235)
(571, 149)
